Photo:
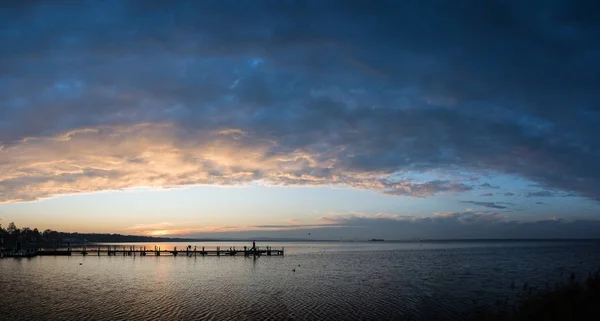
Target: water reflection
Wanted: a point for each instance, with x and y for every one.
(331, 281)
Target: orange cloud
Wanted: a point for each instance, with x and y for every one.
(165, 228)
(163, 156)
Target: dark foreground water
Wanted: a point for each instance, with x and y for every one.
(332, 281)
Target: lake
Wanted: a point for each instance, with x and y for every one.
(320, 280)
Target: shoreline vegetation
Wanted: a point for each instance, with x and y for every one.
(27, 236)
(574, 300)
(16, 239)
(571, 301)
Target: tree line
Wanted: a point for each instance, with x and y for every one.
(21, 238)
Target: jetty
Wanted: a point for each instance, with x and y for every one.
(113, 250)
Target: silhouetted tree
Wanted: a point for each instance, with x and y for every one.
(32, 238)
(26, 234)
(12, 229)
(36, 234)
(3, 237)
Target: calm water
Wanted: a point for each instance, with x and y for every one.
(332, 281)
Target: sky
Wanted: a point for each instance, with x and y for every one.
(302, 119)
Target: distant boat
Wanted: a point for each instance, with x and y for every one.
(376, 240)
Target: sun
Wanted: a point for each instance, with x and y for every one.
(159, 233)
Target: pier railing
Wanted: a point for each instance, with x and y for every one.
(112, 250)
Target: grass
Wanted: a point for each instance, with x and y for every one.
(571, 301)
(574, 300)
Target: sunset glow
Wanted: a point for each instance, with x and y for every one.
(161, 120)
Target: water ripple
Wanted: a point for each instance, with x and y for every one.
(329, 283)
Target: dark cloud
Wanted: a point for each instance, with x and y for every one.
(293, 226)
(373, 89)
(541, 194)
(509, 194)
(424, 189)
(487, 185)
(486, 204)
(454, 225)
(468, 225)
(487, 194)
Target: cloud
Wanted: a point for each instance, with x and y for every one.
(407, 188)
(160, 155)
(509, 194)
(469, 224)
(487, 194)
(353, 225)
(166, 228)
(485, 204)
(292, 227)
(541, 194)
(487, 185)
(324, 103)
(153, 226)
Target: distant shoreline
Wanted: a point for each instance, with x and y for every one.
(177, 240)
(27, 238)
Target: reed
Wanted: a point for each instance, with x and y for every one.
(574, 300)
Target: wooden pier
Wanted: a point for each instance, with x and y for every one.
(156, 251)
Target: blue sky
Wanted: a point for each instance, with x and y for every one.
(424, 119)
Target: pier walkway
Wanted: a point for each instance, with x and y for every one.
(156, 251)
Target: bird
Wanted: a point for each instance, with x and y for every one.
(293, 270)
(80, 263)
